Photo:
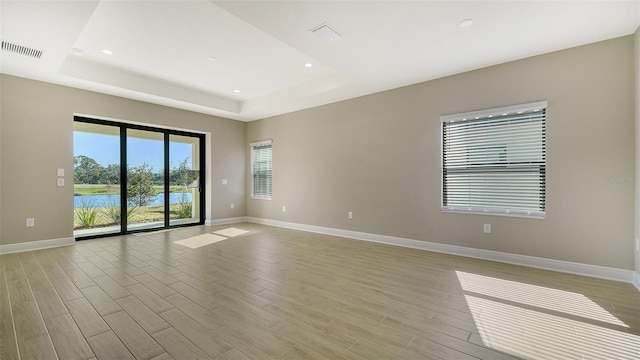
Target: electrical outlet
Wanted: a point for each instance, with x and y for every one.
(60, 181)
(224, 182)
(350, 215)
(233, 205)
(487, 228)
(284, 208)
(31, 222)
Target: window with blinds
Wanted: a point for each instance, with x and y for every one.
(494, 161)
(261, 169)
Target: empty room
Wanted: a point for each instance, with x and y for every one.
(319, 180)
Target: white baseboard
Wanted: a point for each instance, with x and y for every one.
(215, 222)
(636, 280)
(595, 271)
(36, 245)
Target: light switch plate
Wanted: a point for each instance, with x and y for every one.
(224, 181)
(60, 172)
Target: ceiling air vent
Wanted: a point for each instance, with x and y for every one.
(325, 32)
(22, 50)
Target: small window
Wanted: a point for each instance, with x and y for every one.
(494, 161)
(261, 169)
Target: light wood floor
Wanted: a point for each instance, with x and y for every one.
(282, 294)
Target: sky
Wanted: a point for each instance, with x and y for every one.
(105, 149)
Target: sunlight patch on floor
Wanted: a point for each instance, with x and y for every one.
(231, 232)
(195, 242)
(538, 296)
(537, 322)
(533, 334)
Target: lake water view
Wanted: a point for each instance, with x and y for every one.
(114, 199)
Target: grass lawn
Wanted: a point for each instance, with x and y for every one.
(139, 215)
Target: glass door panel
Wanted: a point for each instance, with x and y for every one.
(145, 179)
(96, 179)
(184, 179)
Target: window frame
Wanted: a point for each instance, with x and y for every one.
(486, 113)
(252, 147)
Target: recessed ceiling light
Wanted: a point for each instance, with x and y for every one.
(76, 51)
(236, 91)
(308, 65)
(466, 23)
(107, 52)
(212, 58)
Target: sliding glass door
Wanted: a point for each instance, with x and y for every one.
(184, 177)
(96, 179)
(145, 179)
(130, 178)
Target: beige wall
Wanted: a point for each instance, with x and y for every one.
(1, 116)
(379, 156)
(637, 132)
(37, 138)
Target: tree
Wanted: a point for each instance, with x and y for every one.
(110, 176)
(86, 170)
(180, 174)
(140, 191)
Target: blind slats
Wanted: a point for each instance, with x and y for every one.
(495, 164)
(261, 171)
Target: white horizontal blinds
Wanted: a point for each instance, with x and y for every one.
(261, 169)
(495, 163)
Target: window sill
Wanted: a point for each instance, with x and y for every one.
(260, 198)
(496, 212)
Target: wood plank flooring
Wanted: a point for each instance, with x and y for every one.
(282, 294)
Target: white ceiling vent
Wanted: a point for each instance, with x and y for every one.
(325, 32)
(22, 50)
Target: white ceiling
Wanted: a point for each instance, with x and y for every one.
(162, 49)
